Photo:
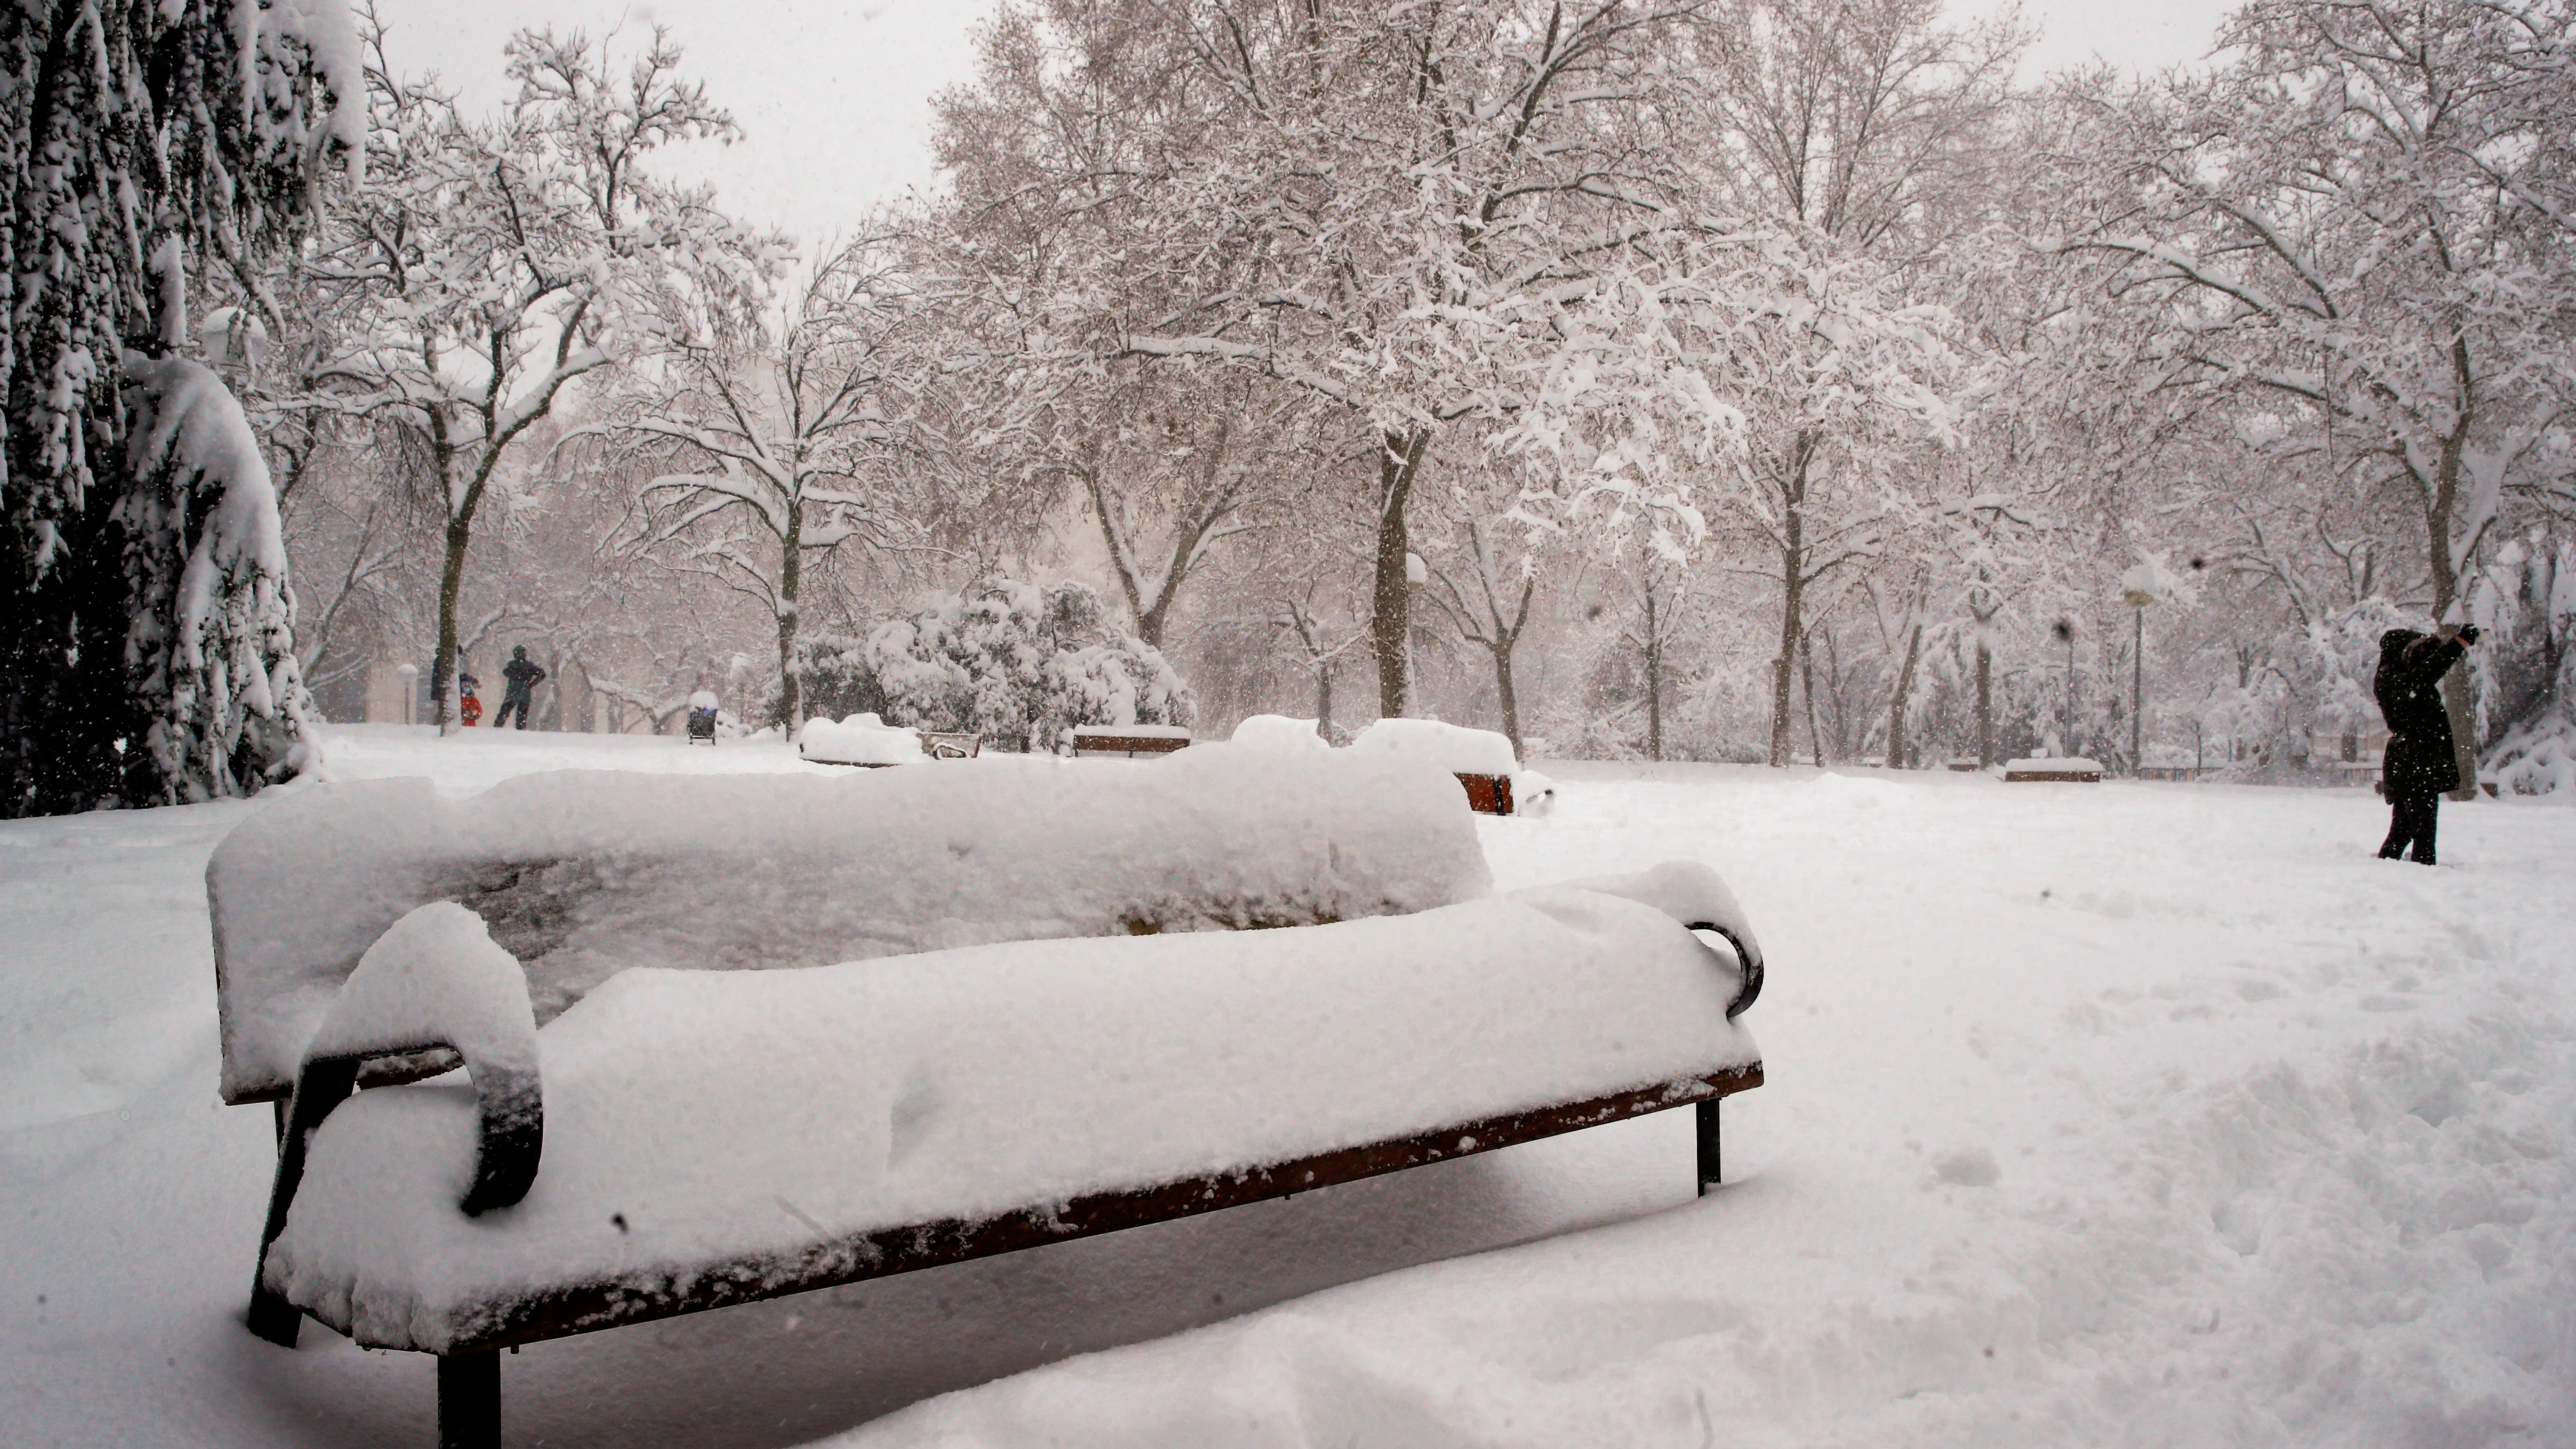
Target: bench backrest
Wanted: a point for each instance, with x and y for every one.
(580, 874)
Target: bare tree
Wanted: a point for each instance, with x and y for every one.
(782, 441)
(490, 260)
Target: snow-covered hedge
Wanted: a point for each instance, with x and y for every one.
(1013, 662)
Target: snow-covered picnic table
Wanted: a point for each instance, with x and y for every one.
(1013, 1026)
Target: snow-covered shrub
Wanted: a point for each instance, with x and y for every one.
(209, 653)
(836, 680)
(1014, 662)
(2525, 600)
(2536, 761)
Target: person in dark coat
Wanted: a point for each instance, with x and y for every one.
(2422, 760)
(522, 678)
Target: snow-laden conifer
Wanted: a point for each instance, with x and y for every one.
(137, 141)
(210, 646)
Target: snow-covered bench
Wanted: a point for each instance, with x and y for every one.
(1482, 760)
(2074, 770)
(1011, 1032)
(1127, 742)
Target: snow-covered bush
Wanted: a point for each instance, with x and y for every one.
(209, 652)
(2525, 600)
(835, 680)
(1017, 663)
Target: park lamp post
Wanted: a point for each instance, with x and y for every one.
(2064, 629)
(2135, 593)
(410, 676)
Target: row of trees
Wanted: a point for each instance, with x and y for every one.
(1725, 378)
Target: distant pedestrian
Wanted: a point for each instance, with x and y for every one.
(469, 707)
(522, 678)
(2423, 759)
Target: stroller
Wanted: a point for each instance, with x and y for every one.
(702, 717)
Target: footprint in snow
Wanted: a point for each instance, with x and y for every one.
(1967, 1167)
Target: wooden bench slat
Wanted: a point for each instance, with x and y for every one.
(584, 1308)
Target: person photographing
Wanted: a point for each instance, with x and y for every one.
(2422, 761)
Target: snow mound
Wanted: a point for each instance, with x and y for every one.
(1860, 791)
(433, 977)
(862, 739)
(1279, 732)
(685, 1107)
(1532, 793)
(581, 874)
(1454, 748)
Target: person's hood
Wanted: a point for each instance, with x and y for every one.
(2394, 642)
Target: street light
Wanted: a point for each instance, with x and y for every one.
(2135, 593)
(410, 676)
(2064, 629)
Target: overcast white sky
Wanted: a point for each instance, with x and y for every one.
(834, 98)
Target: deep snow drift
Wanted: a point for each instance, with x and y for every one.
(2096, 1114)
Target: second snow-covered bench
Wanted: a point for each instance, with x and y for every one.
(678, 1139)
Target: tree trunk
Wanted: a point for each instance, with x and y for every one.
(1324, 700)
(1896, 701)
(1391, 601)
(451, 581)
(1502, 652)
(1985, 701)
(1783, 679)
(2459, 687)
(1654, 680)
(1793, 585)
(791, 572)
(1807, 685)
(2138, 691)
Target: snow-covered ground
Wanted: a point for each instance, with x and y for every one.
(2096, 1114)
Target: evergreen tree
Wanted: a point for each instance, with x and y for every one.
(148, 605)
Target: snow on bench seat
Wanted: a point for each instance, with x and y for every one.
(716, 1127)
(862, 739)
(2074, 768)
(580, 874)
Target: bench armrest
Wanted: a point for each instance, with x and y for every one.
(1697, 897)
(433, 980)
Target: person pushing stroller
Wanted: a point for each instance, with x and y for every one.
(521, 679)
(2422, 760)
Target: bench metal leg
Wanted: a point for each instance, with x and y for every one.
(469, 1400)
(1708, 1145)
(275, 1319)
